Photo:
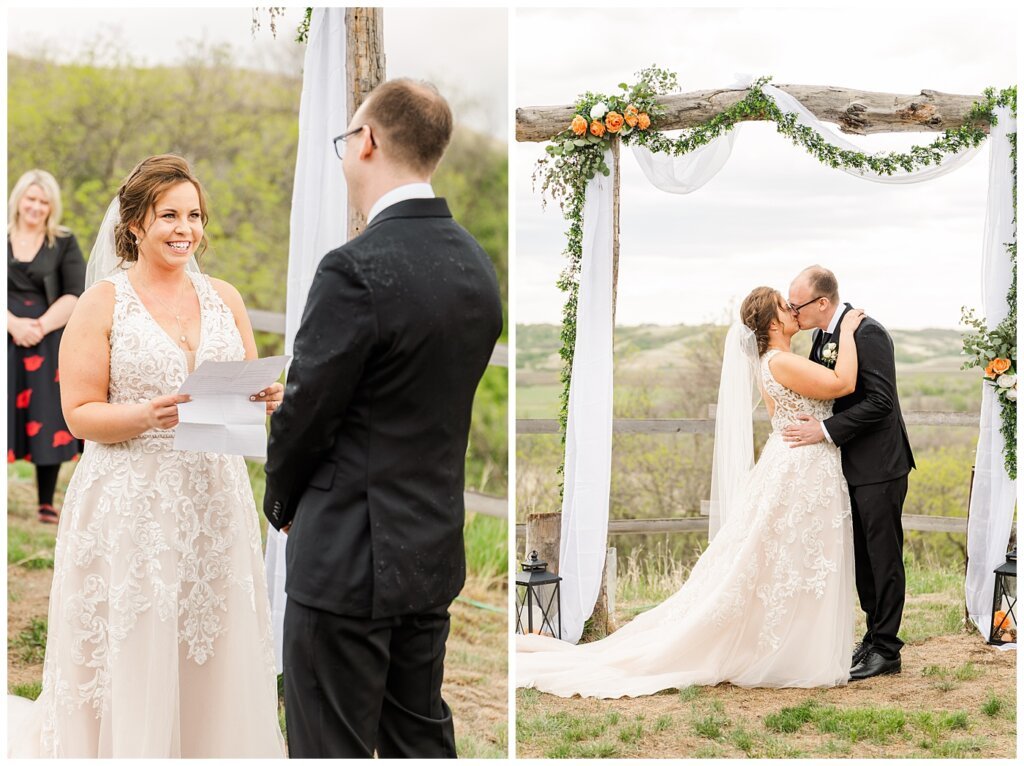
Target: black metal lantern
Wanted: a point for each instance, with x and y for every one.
(1004, 603)
(538, 600)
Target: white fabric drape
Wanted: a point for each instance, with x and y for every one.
(588, 436)
(994, 494)
(318, 217)
(588, 440)
(788, 103)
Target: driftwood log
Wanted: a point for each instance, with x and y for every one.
(855, 111)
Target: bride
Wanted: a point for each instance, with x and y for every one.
(159, 638)
(770, 601)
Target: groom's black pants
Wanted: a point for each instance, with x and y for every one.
(355, 685)
(878, 561)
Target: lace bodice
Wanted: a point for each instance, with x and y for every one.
(788, 403)
(145, 362)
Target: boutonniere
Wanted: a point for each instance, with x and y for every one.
(829, 353)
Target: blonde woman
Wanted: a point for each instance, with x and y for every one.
(45, 274)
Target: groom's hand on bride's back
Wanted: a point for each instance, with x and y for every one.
(807, 432)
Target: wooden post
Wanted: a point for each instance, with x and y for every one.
(543, 534)
(364, 71)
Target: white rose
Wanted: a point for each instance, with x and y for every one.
(1006, 381)
(598, 110)
(1012, 394)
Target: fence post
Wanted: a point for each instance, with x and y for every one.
(543, 534)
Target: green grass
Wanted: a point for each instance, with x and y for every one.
(958, 748)
(709, 722)
(790, 719)
(743, 740)
(877, 725)
(29, 691)
(31, 549)
(690, 693)
(992, 706)
(31, 643)
(486, 540)
(947, 679)
(476, 747)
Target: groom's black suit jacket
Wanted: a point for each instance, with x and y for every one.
(367, 453)
(868, 424)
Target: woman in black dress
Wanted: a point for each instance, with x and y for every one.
(45, 276)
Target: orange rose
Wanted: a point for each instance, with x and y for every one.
(999, 366)
(579, 125)
(614, 122)
(597, 128)
(643, 121)
(631, 115)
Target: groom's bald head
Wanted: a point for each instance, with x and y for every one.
(814, 297)
(820, 281)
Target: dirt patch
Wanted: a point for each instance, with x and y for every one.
(942, 676)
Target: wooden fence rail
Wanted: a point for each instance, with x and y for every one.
(707, 425)
(916, 522)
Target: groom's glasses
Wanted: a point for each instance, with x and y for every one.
(339, 141)
(796, 309)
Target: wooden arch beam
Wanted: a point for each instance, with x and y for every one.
(855, 111)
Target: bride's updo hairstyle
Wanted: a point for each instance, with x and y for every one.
(758, 311)
(137, 199)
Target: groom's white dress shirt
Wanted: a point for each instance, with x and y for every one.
(400, 194)
(831, 330)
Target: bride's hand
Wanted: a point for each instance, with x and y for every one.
(162, 412)
(273, 395)
(852, 320)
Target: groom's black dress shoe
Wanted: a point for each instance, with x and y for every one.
(875, 664)
(860, 651)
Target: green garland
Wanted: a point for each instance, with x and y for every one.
(573, 159)
(995, 350)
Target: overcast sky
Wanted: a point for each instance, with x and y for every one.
(911, 255)
(465, 53)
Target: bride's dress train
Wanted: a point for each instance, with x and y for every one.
(769, 603)
(159, 624)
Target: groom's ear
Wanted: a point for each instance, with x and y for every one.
(366, 143)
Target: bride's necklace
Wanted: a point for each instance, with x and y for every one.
(175, 311)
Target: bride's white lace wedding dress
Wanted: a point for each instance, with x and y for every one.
(769, 603)
(159, 638)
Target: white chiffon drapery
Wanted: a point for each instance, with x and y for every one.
(994, 493)
(318, 218)
(585, 504)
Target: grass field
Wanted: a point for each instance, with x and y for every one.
(476, 677)
(956, 697)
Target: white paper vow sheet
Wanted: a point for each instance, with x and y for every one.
(220, 418)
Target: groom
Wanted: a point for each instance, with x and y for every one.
(365, 464)
(868, 426)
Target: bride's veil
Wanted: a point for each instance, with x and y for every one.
(738, 395)
(103, 260)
